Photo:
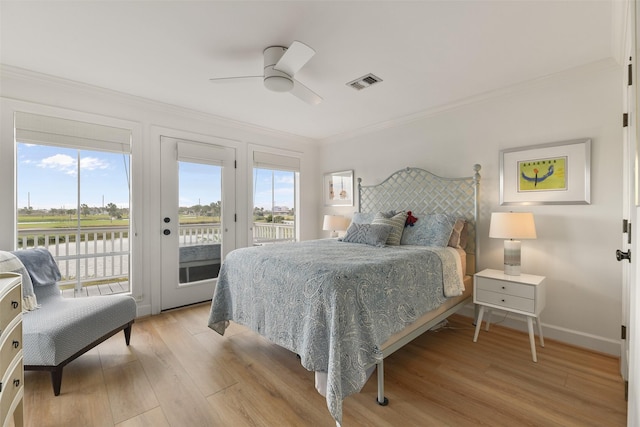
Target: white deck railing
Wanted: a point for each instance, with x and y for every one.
(103, 252)
(273, 233)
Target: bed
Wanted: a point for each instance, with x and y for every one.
(343, 305)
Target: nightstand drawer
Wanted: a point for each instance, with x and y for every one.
(506, 301)
(504, 287)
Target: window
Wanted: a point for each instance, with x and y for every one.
(275, 180)
(73, 198)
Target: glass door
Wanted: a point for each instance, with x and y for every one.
(198, 218)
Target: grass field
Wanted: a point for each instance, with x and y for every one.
(26, 222)
(61, 221)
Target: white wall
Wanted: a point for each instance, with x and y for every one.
(576, 243)
(21, 90)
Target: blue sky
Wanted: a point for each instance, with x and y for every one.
(199, 184)
(47, 176)
(283, 188)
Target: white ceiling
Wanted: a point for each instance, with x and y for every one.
(429, 53)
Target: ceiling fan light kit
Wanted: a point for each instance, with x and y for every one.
(275, 80)
(278, 83)
(280, 65)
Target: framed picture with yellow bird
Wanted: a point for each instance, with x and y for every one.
(555, 173)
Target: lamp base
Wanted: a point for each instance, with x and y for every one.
(333, 234)
(512, 257)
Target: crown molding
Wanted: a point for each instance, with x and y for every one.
(17, 73)
(573, 73)
(140, 102)
(621, 26)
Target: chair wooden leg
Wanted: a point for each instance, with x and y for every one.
(56, 380)
(127, 333)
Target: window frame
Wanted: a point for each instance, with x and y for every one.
(8, 158)
(266, 158)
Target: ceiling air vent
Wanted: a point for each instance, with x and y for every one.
(364, 81)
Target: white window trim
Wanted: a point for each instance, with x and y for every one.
(8, 211)
(269, 154)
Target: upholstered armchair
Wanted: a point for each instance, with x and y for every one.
(58, 330)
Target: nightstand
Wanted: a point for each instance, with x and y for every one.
(524, 294)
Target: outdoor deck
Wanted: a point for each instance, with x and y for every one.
(115, 287)
(99, 261)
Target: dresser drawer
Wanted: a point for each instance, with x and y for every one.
(10, 346)
(11, 385)
(506, 301)
(10, 306)
(504, 287)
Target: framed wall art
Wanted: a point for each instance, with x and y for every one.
(338, 188)
(556, 173)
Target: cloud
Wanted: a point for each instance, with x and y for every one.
(92, 163)
(285, 179)
(68, 165)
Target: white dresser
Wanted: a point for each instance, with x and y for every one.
(11, 369)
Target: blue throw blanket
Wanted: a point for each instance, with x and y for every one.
(9, 263)
(41, 266)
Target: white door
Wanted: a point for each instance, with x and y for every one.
(198, 218)
(628, 253)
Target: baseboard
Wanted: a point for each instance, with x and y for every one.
(568, 336)
(143, 310)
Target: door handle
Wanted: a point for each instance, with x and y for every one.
(623, 255)
(166, 231)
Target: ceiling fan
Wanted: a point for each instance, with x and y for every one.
(280, 65)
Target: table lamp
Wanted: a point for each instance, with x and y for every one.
(335, 223)
(512, 226)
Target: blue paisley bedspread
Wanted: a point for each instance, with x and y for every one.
(333, 303)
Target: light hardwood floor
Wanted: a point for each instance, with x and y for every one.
(178, 372)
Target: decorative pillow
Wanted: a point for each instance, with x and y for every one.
(454, 240)
(368, 234)
(464, 235)
(411, 220)
(396, 222)
(431, 230)
(362, 217)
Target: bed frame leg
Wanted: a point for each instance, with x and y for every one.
(381, 400)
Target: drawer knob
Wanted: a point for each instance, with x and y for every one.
(15, 304)
(502, 300)
(16, 382)
(15, 344)
(504, 287)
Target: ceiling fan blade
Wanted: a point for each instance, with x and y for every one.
(294, 58)
(306, 94)
(218, 79)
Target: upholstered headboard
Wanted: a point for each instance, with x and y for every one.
(421, 191)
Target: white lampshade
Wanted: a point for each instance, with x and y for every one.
(512, 226)
(335, 223)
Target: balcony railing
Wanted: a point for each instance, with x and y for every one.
(102, 257)
(273, 233)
